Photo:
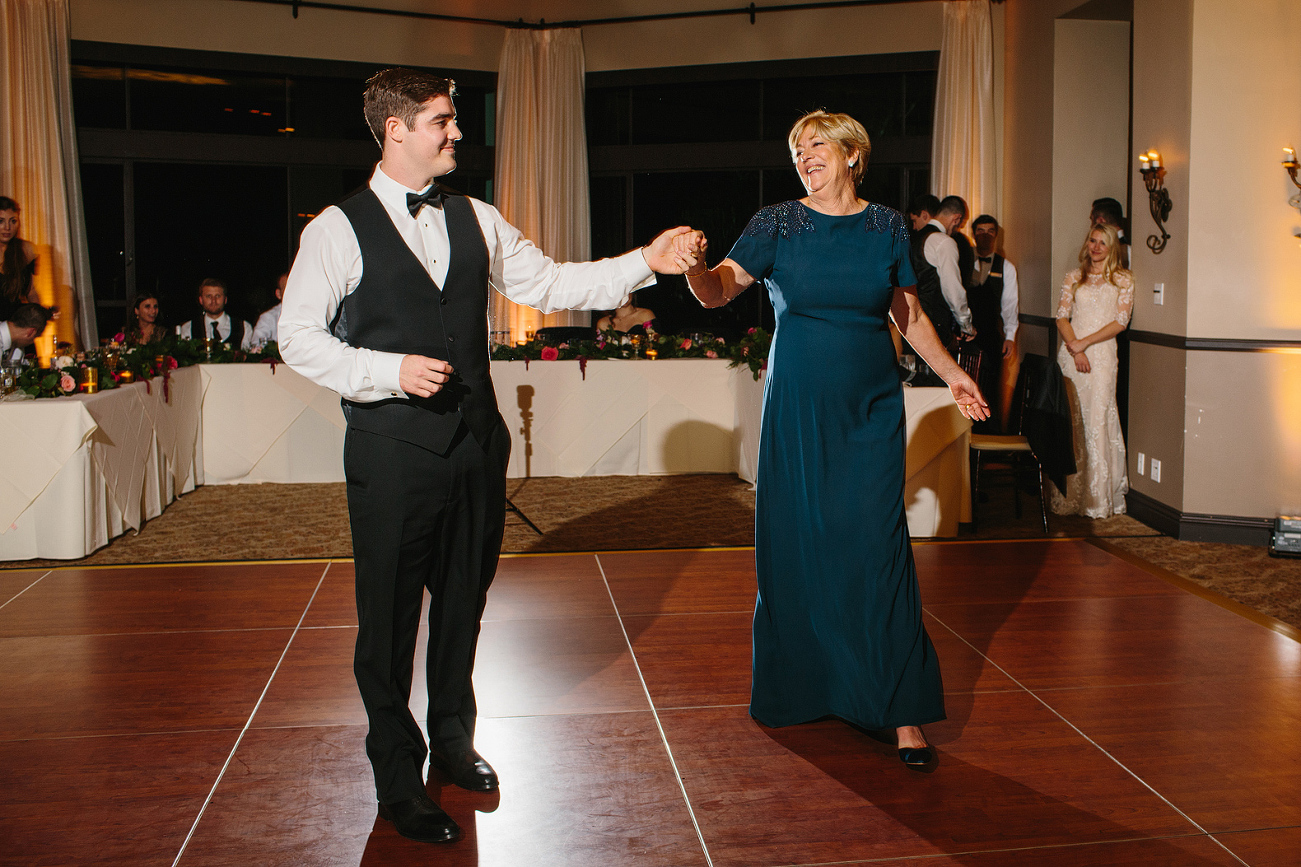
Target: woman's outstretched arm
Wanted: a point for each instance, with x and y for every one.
(906, 310)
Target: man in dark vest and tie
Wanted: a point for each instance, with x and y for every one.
(214, 322)
(940, 289)
(387, 305)
(994, 299)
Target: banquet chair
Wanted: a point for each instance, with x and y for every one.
(554, 335)
(1016, 447)
(969, 358)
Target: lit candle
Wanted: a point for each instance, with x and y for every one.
(1155, 158)
(1144, 162)
(1289, 156)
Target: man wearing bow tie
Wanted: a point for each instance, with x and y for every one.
(215, 322)
(404, 341)
(994, 300)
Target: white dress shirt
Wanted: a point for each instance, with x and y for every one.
(184, 330)
(265, 330)
(1010, 305)
(8, 351)
(942, 252)
(329, 267)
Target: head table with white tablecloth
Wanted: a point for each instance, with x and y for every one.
(101, 464)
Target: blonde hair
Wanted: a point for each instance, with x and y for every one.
(1111, 264)
(841, 130)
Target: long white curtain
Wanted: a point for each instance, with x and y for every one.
(963, 150)
(540, 184)
(38, 160)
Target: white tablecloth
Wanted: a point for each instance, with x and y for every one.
(265, 424)
(80, 470)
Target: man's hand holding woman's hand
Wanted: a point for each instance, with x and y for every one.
(676, 251)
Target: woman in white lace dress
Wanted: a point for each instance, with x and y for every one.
(1096, 302)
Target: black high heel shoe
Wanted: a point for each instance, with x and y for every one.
(923, 759)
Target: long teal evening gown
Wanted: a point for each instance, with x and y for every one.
(838, 623)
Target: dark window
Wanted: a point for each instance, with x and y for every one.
(679, 113)
(608, 117)
(239, 234)
(99, 95)
(875, 100)
(327, 108)
(102, 192)
(210, 101)
(609, 202)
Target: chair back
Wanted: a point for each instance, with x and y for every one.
(969, 358)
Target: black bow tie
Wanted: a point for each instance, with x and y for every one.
(987, 258)
(431, 196)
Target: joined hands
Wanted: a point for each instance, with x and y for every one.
(676, 251)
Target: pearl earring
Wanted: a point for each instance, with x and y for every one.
(851, 163)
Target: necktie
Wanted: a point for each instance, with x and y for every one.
(215, 334)
(989, 259)
(431, 196)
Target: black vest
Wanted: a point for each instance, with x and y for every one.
(200, 330)
(928, 287)
(397, 307)
(986, 303)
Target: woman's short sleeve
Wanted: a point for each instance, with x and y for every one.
(756, 249)
(901, 268)
(1125, 297)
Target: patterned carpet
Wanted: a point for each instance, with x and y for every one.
(289, 522)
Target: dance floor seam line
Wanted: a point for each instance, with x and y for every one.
(1256, 617)
(1096, 745)
(894, 859)
(249, 722)
(659, 726)
(25, 589)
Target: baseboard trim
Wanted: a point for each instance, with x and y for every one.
(1197, 527)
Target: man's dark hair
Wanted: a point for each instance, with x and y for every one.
(30, 316)
(952, 205)
(928, 203)
(400, 93)
(1111, 210)
(982, 220)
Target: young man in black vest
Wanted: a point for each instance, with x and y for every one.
(994, 300)
(404, 341)
(940, 288)
(214, 321)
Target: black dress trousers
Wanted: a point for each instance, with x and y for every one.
(421, 521)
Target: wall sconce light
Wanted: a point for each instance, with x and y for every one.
(1158, 197)
(1290, 163)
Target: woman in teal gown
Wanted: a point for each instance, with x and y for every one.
(837, 625)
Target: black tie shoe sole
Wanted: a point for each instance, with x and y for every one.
(922, 759)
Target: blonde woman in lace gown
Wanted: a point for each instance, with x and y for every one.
(1096, 302)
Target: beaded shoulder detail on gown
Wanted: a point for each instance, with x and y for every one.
(785, 219)
(885, 221)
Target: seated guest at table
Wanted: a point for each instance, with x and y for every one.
(268, 324)
(922, 210)
(22, 328)
(17, 261)
(215, 321)
(143, 324)
(628, 319)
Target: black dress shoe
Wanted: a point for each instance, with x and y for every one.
(419, 818)
(922, 759)
(467, 770)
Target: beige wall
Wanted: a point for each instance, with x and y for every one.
(1244, 266)
(228, 25)
(1157, 396)
(1090, 128)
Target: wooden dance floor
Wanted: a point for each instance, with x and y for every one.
(206, 715)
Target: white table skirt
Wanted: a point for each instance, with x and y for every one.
(97, 465)
(94, 466)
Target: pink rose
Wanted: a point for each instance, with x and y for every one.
(67, 383)
(686, 344)
(119, 337)
(172, 363)
(550, 353)
(751, 331)
(709, 353)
